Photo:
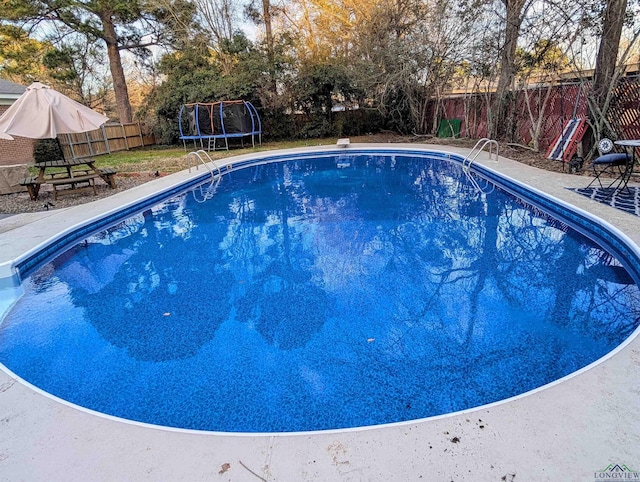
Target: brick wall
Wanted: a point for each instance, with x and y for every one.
(18, 151)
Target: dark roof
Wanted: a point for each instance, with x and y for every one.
(8, 87)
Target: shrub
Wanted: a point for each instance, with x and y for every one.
(47, 150)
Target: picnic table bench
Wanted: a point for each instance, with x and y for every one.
(76, 179)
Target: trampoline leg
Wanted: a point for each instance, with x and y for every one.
(226, 142)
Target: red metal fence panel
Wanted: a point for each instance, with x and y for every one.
(563, 102)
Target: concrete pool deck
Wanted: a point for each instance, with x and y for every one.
(569, 430)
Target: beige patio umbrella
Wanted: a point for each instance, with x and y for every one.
(43, 113)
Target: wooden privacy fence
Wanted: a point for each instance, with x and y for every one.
(105, 140)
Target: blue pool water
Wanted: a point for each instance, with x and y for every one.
(316, 294)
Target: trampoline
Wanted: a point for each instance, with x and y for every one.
(212, 121)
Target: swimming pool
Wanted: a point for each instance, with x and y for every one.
(395, 283)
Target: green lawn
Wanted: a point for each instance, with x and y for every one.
(172, 159)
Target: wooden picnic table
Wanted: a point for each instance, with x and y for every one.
(76, 177)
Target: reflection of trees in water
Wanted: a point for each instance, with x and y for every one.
(287, 300)
(530, 263)
(279, 293)
(440, 261)
(458, 248)
(81, 259)
(445, 275)
(575, 284)
(160, 303)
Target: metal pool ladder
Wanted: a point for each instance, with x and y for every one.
(473, 155)
(208, 191)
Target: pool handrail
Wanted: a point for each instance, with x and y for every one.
(475, 152)
(472, 156)
(210, 189)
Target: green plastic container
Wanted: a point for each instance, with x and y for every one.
(449, 128)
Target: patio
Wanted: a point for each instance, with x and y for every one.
(571, 429)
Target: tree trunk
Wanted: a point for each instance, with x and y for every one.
(606, 60)
(507, 68)
(537, 119)
(266, 15)
(117, 73)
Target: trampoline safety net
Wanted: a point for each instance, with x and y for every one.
(207, 122)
